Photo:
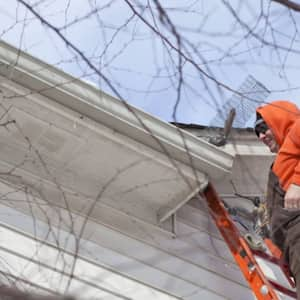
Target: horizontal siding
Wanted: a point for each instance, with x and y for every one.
(193, 266)
(184, 267)
(51, 269)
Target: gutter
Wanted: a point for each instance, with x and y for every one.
(91, 102)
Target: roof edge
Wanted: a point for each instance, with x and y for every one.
(86, 99)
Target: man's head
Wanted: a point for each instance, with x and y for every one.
(265, 134)
(279, 116)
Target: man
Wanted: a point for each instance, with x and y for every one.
(278, 127)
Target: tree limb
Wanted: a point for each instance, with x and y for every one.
(290, 4)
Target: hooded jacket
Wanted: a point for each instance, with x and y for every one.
(283, 118)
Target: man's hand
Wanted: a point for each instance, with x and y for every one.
(292, 197)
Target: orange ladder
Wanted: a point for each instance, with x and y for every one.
(263, 287)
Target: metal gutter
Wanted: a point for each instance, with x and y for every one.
(89, 101)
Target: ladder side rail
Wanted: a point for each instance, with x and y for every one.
(239, 248)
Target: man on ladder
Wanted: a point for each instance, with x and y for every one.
(278, 127)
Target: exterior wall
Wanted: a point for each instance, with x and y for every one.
(96, 250)
(113, 265)
(119, 258)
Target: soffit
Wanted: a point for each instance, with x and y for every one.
(89, 101)
(65, 158)
(80, 148)
(68, 160)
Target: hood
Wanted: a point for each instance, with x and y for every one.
(279, 116)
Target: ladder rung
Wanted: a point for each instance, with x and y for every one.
(283, 289)
(277, 261)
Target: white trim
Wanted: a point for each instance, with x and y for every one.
(93, 103)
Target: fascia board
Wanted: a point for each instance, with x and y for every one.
(87, 100)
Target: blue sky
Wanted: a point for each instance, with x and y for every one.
(140, 66)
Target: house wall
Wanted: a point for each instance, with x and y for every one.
(52, 239)
(112, 265)
(120, 257)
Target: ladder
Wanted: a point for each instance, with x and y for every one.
(263, 287)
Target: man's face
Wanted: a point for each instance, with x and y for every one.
(268, 139)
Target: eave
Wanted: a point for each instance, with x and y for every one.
(38, 93)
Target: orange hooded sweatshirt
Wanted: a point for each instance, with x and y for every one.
(283, 118)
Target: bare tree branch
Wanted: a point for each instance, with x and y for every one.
(290, 4)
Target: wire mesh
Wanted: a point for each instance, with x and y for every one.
(252, 94)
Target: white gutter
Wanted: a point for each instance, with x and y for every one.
(88, 101)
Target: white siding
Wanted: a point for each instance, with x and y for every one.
(192, 266)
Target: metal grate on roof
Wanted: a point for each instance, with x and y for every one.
(252, 93)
